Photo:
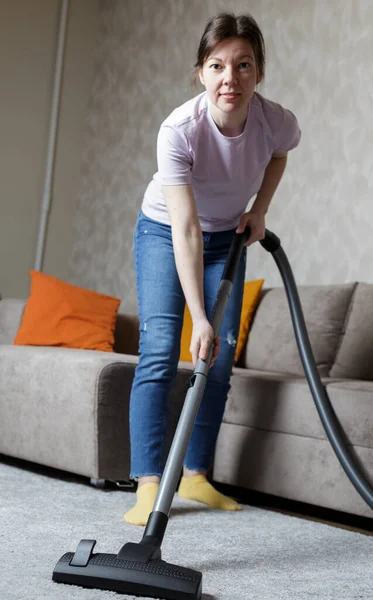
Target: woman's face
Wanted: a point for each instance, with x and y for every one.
(230, 75)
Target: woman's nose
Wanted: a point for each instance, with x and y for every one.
(229, 76)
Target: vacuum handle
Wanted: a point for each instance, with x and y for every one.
(234, 254)
(270, 242)
(226, 283)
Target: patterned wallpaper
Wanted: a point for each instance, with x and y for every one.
(319, 64)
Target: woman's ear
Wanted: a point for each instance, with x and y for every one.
(259, 78)
(200, 74)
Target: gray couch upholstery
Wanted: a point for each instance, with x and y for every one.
(69, 408)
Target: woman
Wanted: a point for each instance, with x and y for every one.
(215, 153)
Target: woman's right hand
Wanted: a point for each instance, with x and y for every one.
(202, 336)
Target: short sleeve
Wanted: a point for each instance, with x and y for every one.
(173, 156)
(286, 132)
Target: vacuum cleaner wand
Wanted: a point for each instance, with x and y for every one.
(138, 568)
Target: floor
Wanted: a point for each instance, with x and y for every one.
(265, 501)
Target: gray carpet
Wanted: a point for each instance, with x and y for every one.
(253, 554)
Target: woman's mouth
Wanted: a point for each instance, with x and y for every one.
(231, 96)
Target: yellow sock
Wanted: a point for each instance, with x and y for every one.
(198, 488)
(146, 495)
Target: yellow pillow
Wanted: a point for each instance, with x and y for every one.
(249, 303)
(60, 314)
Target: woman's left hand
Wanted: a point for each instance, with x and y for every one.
(256, 222)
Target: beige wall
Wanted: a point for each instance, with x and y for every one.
(319, 64)
(118, 87)
(28, 42)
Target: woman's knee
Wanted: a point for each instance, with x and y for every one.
(160, 344)
(222, 369)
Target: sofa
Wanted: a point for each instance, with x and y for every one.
(68, 408)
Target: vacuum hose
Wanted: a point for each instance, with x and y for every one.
(330, 422)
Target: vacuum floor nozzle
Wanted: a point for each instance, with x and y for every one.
(155, 579)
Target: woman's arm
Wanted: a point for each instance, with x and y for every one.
(255, 218)
(272, 177)
(188, 250)
(188, 245)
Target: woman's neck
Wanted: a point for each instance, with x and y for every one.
(229, 125)
(232, 130)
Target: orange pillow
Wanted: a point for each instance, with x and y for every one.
(249, 303)
(60, 314)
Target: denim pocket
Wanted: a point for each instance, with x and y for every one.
(145, 226)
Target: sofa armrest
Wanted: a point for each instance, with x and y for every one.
(127, 334)
(67, 408)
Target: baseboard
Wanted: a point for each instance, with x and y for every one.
(299, 509)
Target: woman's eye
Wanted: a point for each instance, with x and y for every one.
(242, 66)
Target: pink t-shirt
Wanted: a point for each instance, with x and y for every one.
(225, 172)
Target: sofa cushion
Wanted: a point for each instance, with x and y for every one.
(353, 402)
(272, 345)
(291, 466)
(126, 333)
(354, 358)
(268, 401)
(250, 299)
(58, 313)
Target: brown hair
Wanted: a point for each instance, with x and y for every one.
(227, 25)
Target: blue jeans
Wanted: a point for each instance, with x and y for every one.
(161, 304)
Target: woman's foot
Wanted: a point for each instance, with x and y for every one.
(196, 487)
(146, 493)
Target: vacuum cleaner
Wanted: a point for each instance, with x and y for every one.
(138, 568)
